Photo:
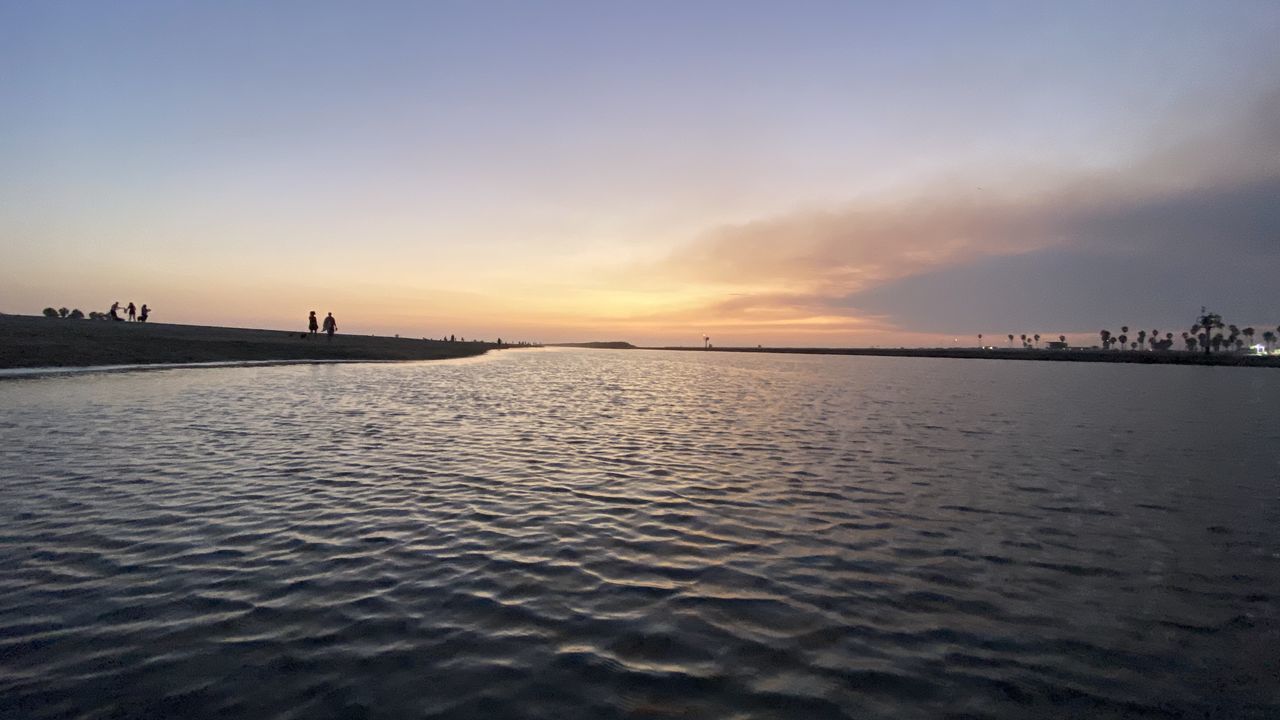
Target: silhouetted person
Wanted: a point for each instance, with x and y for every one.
(114, 312)
(330, 326)
(145, 311)
(133, 312)
(312, 324)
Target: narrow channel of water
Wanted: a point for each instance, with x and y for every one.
(595, 534)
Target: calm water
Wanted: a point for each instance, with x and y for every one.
(588, 534)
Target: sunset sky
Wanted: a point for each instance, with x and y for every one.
(801, 173)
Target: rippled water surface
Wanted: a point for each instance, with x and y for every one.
(596, 534)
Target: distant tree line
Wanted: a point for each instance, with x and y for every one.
(499, 342)
(68, 314)
(1028, 341)
(75, 314)
(1208, 334)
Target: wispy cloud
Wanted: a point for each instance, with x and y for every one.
(923, 261)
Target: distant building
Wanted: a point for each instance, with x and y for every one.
(1055, 345)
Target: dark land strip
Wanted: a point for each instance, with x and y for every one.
(1145, 357)
(28, 342)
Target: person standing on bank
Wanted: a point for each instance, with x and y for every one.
(133, 312)
(330, 326)
(145, 311)
(312, 324)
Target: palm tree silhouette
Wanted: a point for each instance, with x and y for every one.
(1269, 339)
(979, 339)
(1208, 322)
(1248, 333)
(1010, 339)
(1142, 338)
(1037, 336)
(1106, 339)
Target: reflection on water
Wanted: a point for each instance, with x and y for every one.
(588, 534)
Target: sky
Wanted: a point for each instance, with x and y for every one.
(796, 174)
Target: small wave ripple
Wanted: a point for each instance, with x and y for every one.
(586, 534)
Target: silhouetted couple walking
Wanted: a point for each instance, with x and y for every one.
(330, 325)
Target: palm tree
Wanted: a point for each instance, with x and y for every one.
(979, 339)
(1037, 339)
(1248, 333)
(1191, 344)
(1024, 340)
(1208, 322)
(1010, 339)
(1142, 338)
(1062, 338)
(1269, 339)
(1106, 339)
(1124, 339)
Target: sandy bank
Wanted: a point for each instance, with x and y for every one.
(27, 341)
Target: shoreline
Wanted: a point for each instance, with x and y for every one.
(38, 343)
(1141, 357)
(13, 373)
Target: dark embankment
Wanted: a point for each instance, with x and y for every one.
(27, 341)
(612, 345)
(1172, 357)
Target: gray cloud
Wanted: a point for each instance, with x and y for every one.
(1194, 223)
(1153, 261)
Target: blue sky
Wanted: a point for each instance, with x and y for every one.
(562, 169)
